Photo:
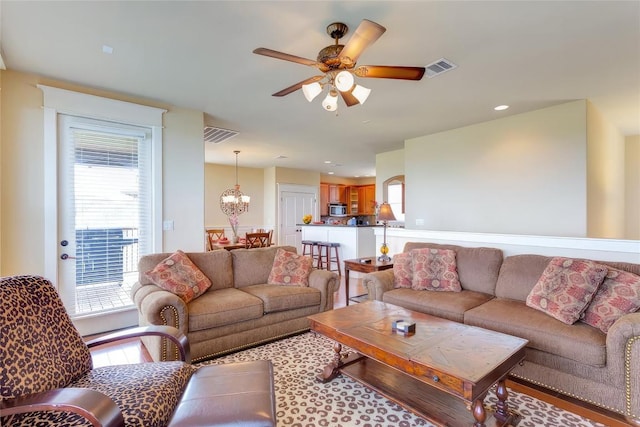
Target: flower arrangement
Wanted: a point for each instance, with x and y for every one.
(307, 218)
(233, 220)
(376, 207)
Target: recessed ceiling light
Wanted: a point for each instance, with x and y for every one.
(280, 157)
(330, 173)
(366, 122)
(107, 49)
(327, 161)
(501, 107)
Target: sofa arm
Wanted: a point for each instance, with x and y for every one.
(159, 307)
(377, 283)
(327, 283)
(623, 359)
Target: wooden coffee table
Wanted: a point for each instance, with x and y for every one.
(442, 372)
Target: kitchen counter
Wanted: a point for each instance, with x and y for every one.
(338, 225)
(356, 241)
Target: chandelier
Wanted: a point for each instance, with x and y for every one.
(339, 82)
(232, 201)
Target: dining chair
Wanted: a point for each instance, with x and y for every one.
(213, 235)
(257, 240)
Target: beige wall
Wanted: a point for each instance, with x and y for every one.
(523, 174)
(605, 177)
(388, 165)
(22, 208)
(632, 187)
(183, 179)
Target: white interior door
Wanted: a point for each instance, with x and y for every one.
(295, 201)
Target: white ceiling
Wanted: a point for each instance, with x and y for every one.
(198, 55)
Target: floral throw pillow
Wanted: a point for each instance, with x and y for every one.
(566, 288)
(402, 271)
(435, 270)
(179, 275)
(290, 269)
(618, 295)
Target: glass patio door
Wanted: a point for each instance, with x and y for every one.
(104, 217)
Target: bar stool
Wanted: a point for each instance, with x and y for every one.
(328, 257)
(313, 251)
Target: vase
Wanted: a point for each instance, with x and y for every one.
(235, 239)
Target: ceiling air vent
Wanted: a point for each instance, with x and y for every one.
(440, 66)
(217, 135)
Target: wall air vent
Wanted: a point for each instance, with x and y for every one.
(217, 135)
(440, 66)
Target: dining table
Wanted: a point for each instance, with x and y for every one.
(228, 245)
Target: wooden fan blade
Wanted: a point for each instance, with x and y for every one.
(284, 56)
(366, 34)
(298, 85)
(390, 72)
(349, 99)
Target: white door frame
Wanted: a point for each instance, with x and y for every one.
(294, 188)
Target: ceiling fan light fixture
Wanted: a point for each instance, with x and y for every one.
(330, 103)
(344, 81)
(361, 93)
(311, 90)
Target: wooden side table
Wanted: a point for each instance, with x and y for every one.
(363, 265)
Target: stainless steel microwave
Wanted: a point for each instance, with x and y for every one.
(337, 209)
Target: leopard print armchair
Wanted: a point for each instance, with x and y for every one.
(47, 377)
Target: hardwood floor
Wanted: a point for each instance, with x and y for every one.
(133, 351)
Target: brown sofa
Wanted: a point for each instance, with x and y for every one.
(239, 309)
(576, 360)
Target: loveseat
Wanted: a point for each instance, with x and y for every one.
(577, 359)
(238, 310)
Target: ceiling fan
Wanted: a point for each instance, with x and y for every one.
(338, 63)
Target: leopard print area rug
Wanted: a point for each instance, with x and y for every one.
(302, 401)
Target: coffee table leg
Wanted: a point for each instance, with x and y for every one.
(479, 413)
(502, 408)
(332, 369)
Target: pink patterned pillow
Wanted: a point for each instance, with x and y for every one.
(178, 275)
(618, 295)
(290, 269)
(402, 271)
(566, 288)
(435, 270)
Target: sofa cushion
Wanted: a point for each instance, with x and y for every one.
(178, 275)
(253, 266)
(280, 298)
(402, 271)
(579, 342)
(566, 288)
(478, 268)
(618, 295)
(216, 265)
(290, 269)
(519, 274)
(223, 307)
(447, 305)
(434, 270)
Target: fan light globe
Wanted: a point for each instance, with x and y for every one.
(361, 93)
(311, 90)
(330, 103)
(344, 81)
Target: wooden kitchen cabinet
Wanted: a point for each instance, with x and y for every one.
(337, 193)
(352, 200)
(324, 199)
(366, 197)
